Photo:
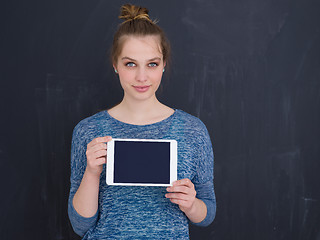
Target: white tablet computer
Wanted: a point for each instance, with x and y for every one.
(141, 162)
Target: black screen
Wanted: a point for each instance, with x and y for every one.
(142, 162)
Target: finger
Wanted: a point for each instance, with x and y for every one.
(181, 189)
(96, 150)
(92, 158)
(183, 185)
(183, 205)
(99, 140)
(180, 202)
(178, 196)
(185, 181)
(100, 153)
(101, 160)
(97, 147)
(97, 162)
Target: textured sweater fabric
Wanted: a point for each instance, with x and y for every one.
(143, 212)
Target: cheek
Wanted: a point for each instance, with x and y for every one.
(125, 77)
(157, 75)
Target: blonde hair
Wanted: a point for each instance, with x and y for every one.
(132, 12)
(137, 23)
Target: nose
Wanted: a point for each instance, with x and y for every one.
(141, 75)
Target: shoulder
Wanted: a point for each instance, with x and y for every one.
(189, 121)
(192, 128)
(88, 124)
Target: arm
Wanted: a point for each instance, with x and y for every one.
(85, 200)
(197, 198)
(199, 206)
(203, 179)
(205, 192)
(81, 179)
(183, 193)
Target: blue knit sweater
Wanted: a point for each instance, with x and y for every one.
(134, 212)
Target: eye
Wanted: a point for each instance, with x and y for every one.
(130, 64)
(153, 64)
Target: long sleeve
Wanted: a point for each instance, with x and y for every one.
(203, 180)
(79, 223)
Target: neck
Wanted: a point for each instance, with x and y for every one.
(140, 108)
(140, 112)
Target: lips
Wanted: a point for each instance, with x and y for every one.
(142, 88)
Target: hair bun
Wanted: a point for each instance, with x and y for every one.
(131, 12)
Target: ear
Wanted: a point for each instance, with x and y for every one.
(115, 69)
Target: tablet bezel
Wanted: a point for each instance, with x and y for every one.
(110, 162)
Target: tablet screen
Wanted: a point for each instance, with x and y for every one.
(141, 162)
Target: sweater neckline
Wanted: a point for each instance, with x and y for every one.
(145, 125)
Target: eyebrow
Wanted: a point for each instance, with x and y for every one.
(131, 59)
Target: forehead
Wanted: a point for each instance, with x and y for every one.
(141, 47)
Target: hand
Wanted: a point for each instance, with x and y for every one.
(97, 154)
(182, 192)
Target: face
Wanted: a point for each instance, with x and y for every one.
(140, 67)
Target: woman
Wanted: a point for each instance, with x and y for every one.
(140, 53)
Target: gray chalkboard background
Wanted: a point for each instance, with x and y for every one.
(249, 69)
